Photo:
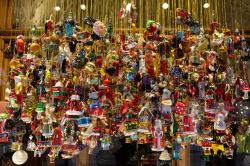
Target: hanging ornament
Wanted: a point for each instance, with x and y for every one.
(157, 136)
(19, 157)
(49, 25)
(110, 28)
(69, 25)
(99, 29)
(20, 45)
(8, 52)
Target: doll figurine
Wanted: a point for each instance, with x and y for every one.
(59, 29)
(229, 140)
(201, 88)
(188, 125)
(106, 140)
(176, 72)
(157, 136)
(149, 63)
(229, 46)
(57, 137)
(69, 26)
(49, 25)
(181, 16)
(94, 101)
(236, 39)
(187, 41)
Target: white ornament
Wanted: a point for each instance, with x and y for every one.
(19, 157)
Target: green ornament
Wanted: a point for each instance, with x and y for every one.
(175, 125)
(4, 115)
(110, 28)
(39, 108)
(149, 23)
(34, 32)
(41, 89)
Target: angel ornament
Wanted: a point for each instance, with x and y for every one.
(31, 144)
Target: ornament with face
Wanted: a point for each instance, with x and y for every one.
(59, 29)
(99, 29)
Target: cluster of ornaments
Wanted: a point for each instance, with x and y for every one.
(70, 87)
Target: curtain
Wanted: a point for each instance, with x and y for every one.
(5, 23)
(229, 13)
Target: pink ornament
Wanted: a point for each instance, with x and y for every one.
(99, 28)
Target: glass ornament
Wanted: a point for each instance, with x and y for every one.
(20, 157)
(69, 26)
(242, 110)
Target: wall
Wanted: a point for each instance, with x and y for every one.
(5, 23)
(230, 13)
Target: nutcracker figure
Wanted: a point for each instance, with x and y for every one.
(157, 134)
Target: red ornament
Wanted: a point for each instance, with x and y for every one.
(98, 61)
(20, 44)
(164, 66)
(179, 108)
(116, 64)
(57, 137)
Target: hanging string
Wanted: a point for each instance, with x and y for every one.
(231, 12)
(225, 13)
(236, 15)
(241, 20)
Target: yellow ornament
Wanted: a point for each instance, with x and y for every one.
(133, 27)
(47, 75)
(88, 101)
(102, 72)
(74, 79)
